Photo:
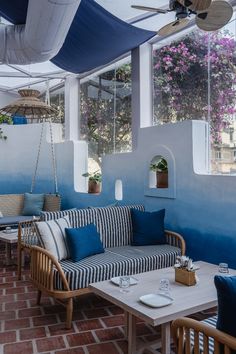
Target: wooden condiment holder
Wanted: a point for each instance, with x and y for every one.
(185, 277)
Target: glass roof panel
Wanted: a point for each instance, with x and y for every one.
(12, 77)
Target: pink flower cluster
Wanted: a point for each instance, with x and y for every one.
(182, 73)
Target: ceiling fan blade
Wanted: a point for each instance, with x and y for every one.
(196, 5)
(152, 9)
(173, 27)
(216, 17)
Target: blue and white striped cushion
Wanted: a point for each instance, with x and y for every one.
(211, 321)
(77, 217)
(115, 262)
(115, 225)
(83, 217)
(52, 215)
(53, 238)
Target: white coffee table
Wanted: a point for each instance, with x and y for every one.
(187, 300)
(9, 239)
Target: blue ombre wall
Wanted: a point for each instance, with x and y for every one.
(198, 205)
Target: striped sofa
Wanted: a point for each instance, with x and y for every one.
(66, 279)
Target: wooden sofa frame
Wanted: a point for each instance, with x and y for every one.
(42, 269)
(181, 334)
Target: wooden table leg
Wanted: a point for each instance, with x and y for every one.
(131, 334)
(126, 318)
(165, 338)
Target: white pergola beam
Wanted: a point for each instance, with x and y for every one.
(142, 113)
(72, 108)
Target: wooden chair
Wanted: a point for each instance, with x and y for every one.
(194, 337)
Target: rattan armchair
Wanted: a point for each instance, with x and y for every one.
(194, 337)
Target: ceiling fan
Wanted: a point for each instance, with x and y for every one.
(209, 15)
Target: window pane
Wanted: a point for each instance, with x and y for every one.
(106, 113)
(194, 78)
(223, 99)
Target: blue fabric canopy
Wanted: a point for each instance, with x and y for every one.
(95, 38)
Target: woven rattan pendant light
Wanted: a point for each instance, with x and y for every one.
(29, 106)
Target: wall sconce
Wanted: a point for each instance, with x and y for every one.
(118, 190)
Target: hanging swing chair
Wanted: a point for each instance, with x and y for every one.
(33, 109)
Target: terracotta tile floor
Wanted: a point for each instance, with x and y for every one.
(25, 328)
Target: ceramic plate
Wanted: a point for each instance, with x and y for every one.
(116, 281)
(156, 300)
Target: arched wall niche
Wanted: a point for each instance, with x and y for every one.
(152, 188)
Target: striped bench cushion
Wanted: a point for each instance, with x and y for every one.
(115, 225)
(211, 321)
(115, 262)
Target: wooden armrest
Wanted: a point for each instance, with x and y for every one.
(175, 239)
(181, 333)
(42, 267)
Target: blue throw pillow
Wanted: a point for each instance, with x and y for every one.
(33, 204)
(148, 228)
(226, 293)
(83, 242)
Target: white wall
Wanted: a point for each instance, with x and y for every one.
(200, 206)
(6, 98)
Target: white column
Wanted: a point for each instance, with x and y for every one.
(142, 101)
(72, 108)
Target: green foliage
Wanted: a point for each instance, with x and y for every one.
(5, 119)
(160, 165)
(94, 176)
(2, 136)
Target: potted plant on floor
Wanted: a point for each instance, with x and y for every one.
(160, 166)
(94, 181)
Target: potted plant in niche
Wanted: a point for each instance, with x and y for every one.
(94, 181)
(160, 166)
